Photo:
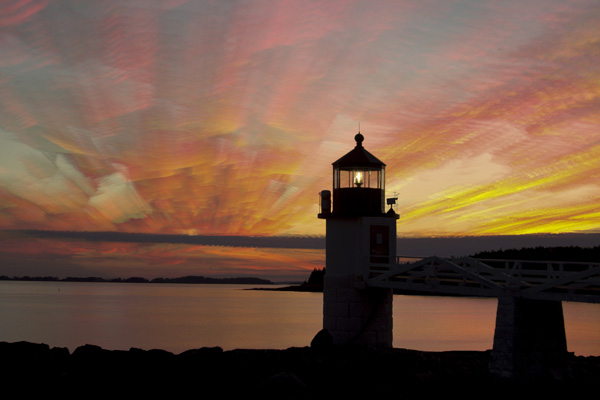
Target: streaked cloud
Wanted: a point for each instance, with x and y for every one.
(222, 118)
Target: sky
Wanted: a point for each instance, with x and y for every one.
(223, 117)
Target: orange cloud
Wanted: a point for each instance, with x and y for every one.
(224, 119)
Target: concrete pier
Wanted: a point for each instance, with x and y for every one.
(529, 339)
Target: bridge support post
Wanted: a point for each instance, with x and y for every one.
(356, 315)
(529, 340)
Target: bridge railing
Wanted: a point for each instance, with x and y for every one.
(559, 277)
(577, 281)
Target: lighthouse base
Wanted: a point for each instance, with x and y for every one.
(355, 315)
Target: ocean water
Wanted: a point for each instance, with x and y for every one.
(178, 317)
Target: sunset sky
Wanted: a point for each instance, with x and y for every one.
(223, 117)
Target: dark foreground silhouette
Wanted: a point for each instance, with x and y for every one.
(291, 373)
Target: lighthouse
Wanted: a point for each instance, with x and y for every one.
(360, 243)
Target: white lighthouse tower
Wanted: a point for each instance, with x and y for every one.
(360, 241)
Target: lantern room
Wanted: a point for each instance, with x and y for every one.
(358, 185)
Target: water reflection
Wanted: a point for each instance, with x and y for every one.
(178, 317)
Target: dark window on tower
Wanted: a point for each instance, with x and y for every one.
(380, 244)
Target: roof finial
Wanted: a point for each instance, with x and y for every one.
(359, 139)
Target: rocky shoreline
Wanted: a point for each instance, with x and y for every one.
(291, 373)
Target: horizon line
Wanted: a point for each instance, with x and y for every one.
(283, 241)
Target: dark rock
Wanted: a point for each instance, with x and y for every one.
(294, 372)
(322, 340)
(202, 352)
(282, 384)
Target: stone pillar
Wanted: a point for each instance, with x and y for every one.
(529, 339)
(355, 315)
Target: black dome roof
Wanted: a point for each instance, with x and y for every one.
(358, 157)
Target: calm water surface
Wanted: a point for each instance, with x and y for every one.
(178, 317)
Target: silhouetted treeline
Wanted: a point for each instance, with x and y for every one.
(313, 284)
(135, 279)
(316, 277)
(203, 279)
(564, 253)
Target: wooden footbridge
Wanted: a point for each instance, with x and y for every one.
(541, 280)
(529, 337)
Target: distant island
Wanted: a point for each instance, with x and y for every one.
(184, 279)
(315, 280)
(313, 284)
(560, 253)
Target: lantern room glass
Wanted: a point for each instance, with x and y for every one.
(359, 177)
